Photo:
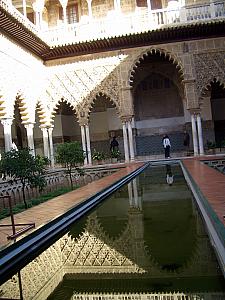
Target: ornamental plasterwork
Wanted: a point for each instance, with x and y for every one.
(78, 83)
(209, 66)
(110, 87)
(35, 275)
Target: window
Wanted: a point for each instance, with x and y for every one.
(71, 13)
(141, 3)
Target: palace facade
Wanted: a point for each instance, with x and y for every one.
(89, 70)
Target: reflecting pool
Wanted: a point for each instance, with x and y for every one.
(146, 239)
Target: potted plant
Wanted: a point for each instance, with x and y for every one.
(99, 156)
(211, 146)
(115, 154)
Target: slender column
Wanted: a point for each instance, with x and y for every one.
(125, 142)
(83, 139)
(194, 134)
(30, 137)
(89, 9)
(131, 142)
(149, 6)
(38, 7)
(200, 138)
(24, 8)
(118, 6)
(88, 144)
(64, 5)
(130, 194)
(51, 147)
(7, 124)
(64, 15)
(134, 183)
(45, 141)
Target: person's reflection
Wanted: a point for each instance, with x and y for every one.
(169, 175)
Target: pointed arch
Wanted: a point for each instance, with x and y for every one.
(57, 105)
(154, 50)
(207, 85)
(90, 105)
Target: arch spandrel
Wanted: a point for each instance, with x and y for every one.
(209, 67)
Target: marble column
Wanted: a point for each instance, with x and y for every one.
(51, 148)
(24, 8)
(200, 137)
(125, 142)
(83, 139)
(38, 7)
(88, 144)
(7, 128)
(131, 141)
(194, 134)
(45, 141)
(89, 9)
(30, 137)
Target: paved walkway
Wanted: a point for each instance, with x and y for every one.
(49, 210)
(211, 183)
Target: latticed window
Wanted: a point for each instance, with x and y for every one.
(71, 13)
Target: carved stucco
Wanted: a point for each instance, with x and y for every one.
(209, 67)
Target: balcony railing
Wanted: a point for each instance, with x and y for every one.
(118, 24)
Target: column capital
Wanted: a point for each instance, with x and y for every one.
(125, 119)
(29, 125)
(190, 80)
(7, 122)
(194, 111)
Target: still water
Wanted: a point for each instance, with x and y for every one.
(148, 237)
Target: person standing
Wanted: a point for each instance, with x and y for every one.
(166, 145)
(186, 140)
(114, 145)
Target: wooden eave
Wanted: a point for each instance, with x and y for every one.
(164, 35)
(12, 28)
(26, 38)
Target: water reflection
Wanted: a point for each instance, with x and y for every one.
(147, 237)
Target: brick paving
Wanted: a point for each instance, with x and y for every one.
(211, 183)
(43, 213)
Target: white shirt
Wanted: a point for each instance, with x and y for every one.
(166, 142)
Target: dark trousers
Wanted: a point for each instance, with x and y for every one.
(167, 151)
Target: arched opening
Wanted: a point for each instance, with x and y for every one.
(19, 135)
(29, 8)
(158, 106)
(66, 128)
(218, 112)
(104, 124)
(38, 138)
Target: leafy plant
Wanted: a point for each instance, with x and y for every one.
(98, 155)
(115, 153)
(33, 202)
(211, 145)
(23, 166)
(70, 155)
(223, 144)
